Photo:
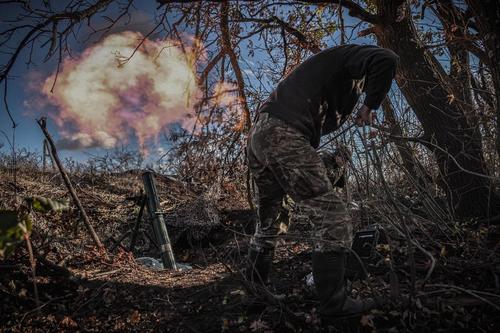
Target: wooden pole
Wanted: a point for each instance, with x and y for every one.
(42, 122)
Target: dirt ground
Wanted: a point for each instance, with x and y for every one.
(81, 290)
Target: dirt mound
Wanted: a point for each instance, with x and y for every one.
(81, 290)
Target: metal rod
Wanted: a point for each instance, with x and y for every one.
(153, 204)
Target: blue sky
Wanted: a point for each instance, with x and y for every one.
(27, 133)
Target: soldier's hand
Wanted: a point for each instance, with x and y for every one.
(365, 116)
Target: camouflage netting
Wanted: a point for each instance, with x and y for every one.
(192, 221)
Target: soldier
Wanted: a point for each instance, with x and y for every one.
(336, 166)
(313, 100)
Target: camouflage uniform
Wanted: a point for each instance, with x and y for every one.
(311, 101)
(282, 161)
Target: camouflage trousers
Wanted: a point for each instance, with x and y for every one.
(283, 162)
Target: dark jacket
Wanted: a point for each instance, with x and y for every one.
(318, 95)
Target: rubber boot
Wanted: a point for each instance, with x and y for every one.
(259, 264)
(328, 273)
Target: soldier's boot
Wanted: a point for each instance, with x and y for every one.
(259, 262)
(328, 273)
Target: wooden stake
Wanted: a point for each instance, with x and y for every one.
(42, 122)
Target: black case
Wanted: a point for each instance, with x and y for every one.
(364, 245)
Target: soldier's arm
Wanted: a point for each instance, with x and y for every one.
(378, 66)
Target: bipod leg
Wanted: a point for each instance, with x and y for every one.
(118, 242)
(137, 224)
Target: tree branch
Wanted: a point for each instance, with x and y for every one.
(353, 8)
(229, 50)
(301, 38)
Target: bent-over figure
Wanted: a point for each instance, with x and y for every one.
(313, 100)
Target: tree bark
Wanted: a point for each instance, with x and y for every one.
(486, 14)
(412, 166)
(429, 90)
(227, 47)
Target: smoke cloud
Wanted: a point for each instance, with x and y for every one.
(108, 98)
(84, 140)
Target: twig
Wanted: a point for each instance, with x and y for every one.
(472, 293)
(401, 216)
(33, 271)
(432, 145)
(42, 306)
(228, 49)
(254, 288)
(105, 274)
(337, 135)
(97, 291)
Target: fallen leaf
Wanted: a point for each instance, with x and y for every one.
(12, 285)
(451, 98)
(119, 325)
(135, 317)
(225, 324)
(444, 251)
(23, 293)
(258, 325)
(68, 322)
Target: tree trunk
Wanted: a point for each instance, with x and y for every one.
(413, 167)
(428, 90)
(486, 14)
